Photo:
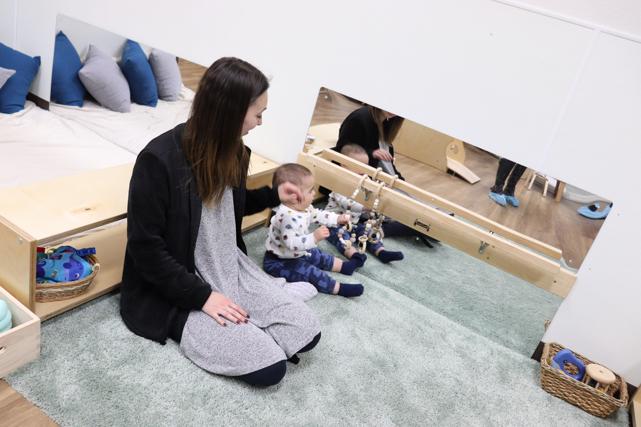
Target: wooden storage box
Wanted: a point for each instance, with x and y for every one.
(20, 344)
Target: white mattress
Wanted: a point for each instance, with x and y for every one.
(37, 145)
(131, 131)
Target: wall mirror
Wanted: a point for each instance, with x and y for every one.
(548, 210)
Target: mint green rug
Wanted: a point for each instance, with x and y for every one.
(394, 356)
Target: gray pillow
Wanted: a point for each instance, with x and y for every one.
(167, 74)
(103, 79)
(5, 74)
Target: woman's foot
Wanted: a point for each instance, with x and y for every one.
(498, 198)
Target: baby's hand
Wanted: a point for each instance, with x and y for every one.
(321, 233)
(344, 219)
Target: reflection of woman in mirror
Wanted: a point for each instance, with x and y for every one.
(507, 176)
(374, 130)
(186, 274)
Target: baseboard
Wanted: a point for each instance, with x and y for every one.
(38, 101)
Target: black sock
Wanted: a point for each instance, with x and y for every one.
(357, 260)
(388, 256)
(350, 290)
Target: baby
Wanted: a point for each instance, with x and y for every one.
(340, 204)
(291, 247)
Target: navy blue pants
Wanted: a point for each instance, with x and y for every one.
(304, 269)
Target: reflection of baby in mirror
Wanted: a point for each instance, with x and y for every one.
(291, 248)
(340, 204)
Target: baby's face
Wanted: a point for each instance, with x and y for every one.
(308, 190)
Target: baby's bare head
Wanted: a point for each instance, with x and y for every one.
(297, 174)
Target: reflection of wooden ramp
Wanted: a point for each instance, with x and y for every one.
(433, 148)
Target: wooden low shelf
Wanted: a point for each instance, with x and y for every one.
(93, 214)
(33, 215)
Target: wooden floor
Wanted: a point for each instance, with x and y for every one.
(555, 223)
(16, 411)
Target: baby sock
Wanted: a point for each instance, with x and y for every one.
(388, 256)
(357, 260)
(350, 290)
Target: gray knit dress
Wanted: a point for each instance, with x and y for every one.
(280, 323)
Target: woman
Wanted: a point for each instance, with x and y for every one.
(186, 274)
(374, 130)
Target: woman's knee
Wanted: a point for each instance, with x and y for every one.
(266, 377)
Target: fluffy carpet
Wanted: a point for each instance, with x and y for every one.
(393, 356)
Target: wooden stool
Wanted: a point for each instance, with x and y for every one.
(603, 376)
(546, 181)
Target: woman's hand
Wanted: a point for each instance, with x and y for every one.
(289, 193)
(321, 233)
(382, 155)
(219, 307)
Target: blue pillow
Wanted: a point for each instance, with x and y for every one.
(14, 92)
(66, 87)
(138, 73)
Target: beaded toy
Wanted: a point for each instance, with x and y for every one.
(373, 226)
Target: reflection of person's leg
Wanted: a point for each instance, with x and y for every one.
(516, 174)
(510, 187)
(502, 173)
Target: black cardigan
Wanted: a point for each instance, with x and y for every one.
(163, 217)
(360, 128)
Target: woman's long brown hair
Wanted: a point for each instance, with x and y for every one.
(212, 140)
(387, 135)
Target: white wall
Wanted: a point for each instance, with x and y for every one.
(8, 10)
(558, 96)
(82, 35)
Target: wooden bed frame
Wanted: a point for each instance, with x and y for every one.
(500, 246)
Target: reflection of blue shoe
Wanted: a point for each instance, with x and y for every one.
(513, 201)
(594, 213)
(498, 198)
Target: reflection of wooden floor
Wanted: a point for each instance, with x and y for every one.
(554, 223)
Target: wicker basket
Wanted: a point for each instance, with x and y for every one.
(66, 290)
(588, 398)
